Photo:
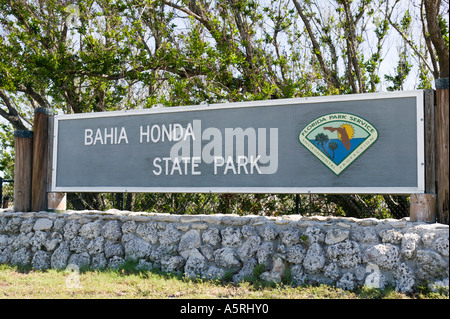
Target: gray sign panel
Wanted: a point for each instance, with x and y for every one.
(365, 143)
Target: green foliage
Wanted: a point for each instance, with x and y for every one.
(443, 25)
(108, 55)
(6, 151)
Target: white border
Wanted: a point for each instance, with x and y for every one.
(295, 190)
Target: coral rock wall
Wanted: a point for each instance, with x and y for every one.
(345, 252)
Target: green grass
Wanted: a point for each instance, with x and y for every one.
(130, 283)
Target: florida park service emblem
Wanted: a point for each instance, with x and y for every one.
(338, 139)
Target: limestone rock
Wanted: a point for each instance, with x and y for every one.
(195, 266)
(112, 230)
(41, 260)
(249, 248)
(81, 260)
(365, 235)
(431, 264)
(391, 236)
(170, 236)
(297, 275)
(43, 224)
(53, 241)
(214, 272)
(60, 256)
(5, 241)
(335, 236)
(78, 245)
(71, 229)
(211, 237)
(13, 225)
(346, 254)
(291, 236)
(332, 271)
(186, 254)
(315, 259)
(137, 248)
(158, 253)
(264, 254)
(248, 231)
(172, 263)
(441, 286)
(347, 282)
(23, 240)
(5, 255)
(207, 251)
(231, 237)
(441, 246)
(409, 244)
(27, 225)
(404, 279)
(116, 262)
(267, 233)
(99, 261)
(386, 256)
(96, 246)
(58, 224)
(277, 272)
(129, 227)
(296, 254)
(191, 239)
(144, 265)
(314, 235)
(375, 278)
(113, 248)
(91, 230)
(246, 270)
(235, 220)
(38, 240)
(226, 258)
(148, 231)
(21, 257)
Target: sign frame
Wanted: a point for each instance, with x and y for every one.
(418, 94)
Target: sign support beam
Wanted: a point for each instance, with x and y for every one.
(22, 170)
(442, 149)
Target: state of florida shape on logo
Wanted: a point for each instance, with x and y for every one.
(338, 139)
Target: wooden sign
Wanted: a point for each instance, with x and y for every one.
(362, 143)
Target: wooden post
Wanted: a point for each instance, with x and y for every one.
(23, 170)
(40, 159)
(430, 141)
(442, 151)
(57, 202)
(423, 206)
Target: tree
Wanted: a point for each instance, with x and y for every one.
(336, 31)
(333, 146)
(431, 19)
(106, 55)
(322, 139)
(438, 34)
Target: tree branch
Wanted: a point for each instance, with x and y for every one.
(428, 43)
(36, 96)
(411, 45)
(12, 116)
(329, 77)
(352, 46)
(431, 13)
